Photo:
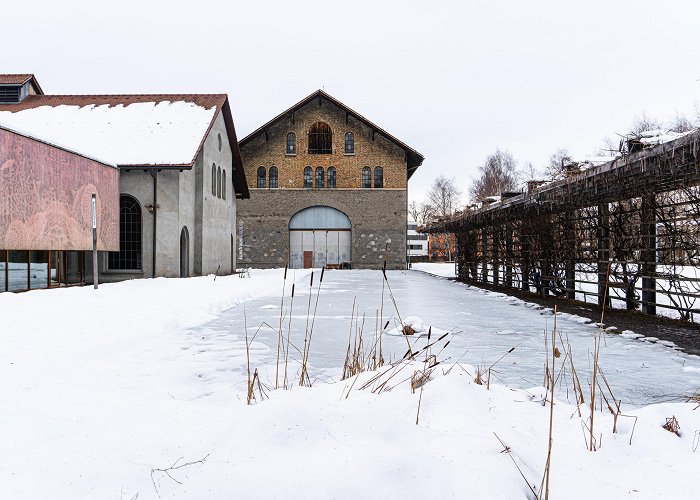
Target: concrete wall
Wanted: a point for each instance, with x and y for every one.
(218, 214)
(378, 216)
(185, 199)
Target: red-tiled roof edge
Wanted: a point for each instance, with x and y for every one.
(20, 79)
(415, 159)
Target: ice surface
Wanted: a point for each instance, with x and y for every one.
(102, 387)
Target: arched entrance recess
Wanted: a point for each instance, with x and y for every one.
(319, 236)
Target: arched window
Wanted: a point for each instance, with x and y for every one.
(223, 184)
(129, 255)
(349, 143)
(366, 177)
(331, 177)
(273, 177)
(320, 139)
(378, 177)
(213, 179)
(319, 177)
(261, 177)
(218, 138)
(218, 182)
(291, 143)
(308, 177)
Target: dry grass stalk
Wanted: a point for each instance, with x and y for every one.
(672, 425)
(280, 337)
(596, 354)
(696, 399)
(289, 333)
(507, 450)
(696, 440)
(555, 354)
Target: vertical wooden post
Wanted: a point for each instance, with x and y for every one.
(603, 256)
(484, 255)
(509, 254)
(495, 251)
(94, 241)
(570, 255)
(524, 260)
(648, 254)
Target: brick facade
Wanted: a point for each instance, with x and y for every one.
(377, 215)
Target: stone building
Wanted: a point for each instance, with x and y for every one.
(180, 172)
(327, 187)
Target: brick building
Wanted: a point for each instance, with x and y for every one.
(327, 187)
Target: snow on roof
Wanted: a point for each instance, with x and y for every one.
(35, 137)
(160, 132)
(658, 136)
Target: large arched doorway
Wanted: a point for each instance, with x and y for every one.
(319, 236)
(184, 253)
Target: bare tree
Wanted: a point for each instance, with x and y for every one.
(682, 123)
(420, 212)
(558, 162)
(443, 196)
(496, 175)
(609, 147)
(643, 123)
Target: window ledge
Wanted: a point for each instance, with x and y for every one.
(348, 154)
(122, 271)
(290, 154)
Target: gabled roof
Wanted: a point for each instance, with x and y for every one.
(157, 130)
(20, 79)
(414, 158)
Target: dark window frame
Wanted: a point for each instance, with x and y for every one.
(331, 178)
(319, 178)
(320, 139)
(273, 178)
(349, 143)
(366, 178)
(261, 178)
(291, 143)
(308, 177)
(130, 254)
(378, 177)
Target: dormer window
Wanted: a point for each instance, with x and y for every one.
(15, 88)
(320, 139)
(10, 93)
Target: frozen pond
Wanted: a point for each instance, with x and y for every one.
(483, 325)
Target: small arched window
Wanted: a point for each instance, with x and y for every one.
(331, 177)
(261, 177)
(223, 184)
(366, 177)
(213, 179)
(320, 139)
(291, 143)
(273, 177)
(378, 177)
(218, 138)
(308, 177)
(218, 182)
(349, 143)
(319, 177)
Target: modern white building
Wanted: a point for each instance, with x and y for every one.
(416, 243)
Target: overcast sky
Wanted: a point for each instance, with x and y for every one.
(455, 80)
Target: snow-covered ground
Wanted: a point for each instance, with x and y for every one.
(445, 269)
(103, 388)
